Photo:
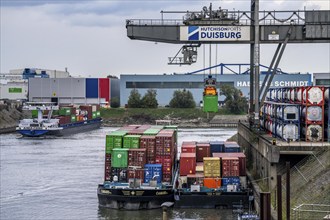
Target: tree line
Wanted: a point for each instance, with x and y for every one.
(235, 102)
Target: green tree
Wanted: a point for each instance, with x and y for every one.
(149, 99)
(134, 100)
(114, 102)
(235, 102)
(182, 99)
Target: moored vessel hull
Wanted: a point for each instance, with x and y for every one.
(223, 200)
(133, 199)
(67, 129)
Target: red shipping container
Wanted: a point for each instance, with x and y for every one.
(144, 127)
(137, 157)
(202, 150)
(104, 88)
(136, 132)
(187, 164)
(166, 162)
(137, 174)
(89, 110)
(230, 166)
(241, 157)
(165, 144)
(167, 177)
(188, 143)
(188, 148)
(149, 143)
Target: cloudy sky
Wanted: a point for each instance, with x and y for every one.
(89, 37)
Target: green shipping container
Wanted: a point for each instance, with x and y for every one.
(73, 118)
(132, 141)
(93, 114)
(55, 112)
(114, 140)
(160, 127)
(151, 131)
(34, 113)
(210, 103)
(65, 111)
(119, 157)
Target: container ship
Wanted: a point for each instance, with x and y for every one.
(213, 174)
(50, 119)
(142, 171)
(140, 167)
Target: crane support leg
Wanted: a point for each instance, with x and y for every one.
(268, 83)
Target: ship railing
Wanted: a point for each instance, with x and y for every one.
(238, 17)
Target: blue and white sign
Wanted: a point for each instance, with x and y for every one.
(215, 33)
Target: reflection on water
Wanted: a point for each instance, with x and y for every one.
(57, 178)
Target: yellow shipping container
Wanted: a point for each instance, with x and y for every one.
(212, 167)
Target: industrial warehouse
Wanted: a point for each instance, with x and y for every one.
(72, 90)
(66, 90)
(165, 85)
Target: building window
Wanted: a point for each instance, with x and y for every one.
(323, 82)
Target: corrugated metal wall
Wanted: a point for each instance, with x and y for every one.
(92, 88)
(73, 90)
(114, 88)
(104, 89)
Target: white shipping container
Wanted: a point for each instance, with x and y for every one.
(290, 132)
(292, 94)
(290, 113)
(313, 133)
(273, 94)
(313, 95)
(314, 113)
(299, 94)
(279, 95)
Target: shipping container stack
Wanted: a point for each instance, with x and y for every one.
(70, 114)
(297, 113)
(141, 153)
(166, 152)
(137, 158)
(312, 103)
(327, 114)
(212, 165)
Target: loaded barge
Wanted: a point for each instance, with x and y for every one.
(50, 119)
(144, 169)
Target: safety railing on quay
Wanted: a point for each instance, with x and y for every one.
(301, 174)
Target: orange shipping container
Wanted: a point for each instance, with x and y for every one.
(212, 183)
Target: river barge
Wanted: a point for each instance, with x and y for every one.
(48, 119)
(144, 169)
(140, 167)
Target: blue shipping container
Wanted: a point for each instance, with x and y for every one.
(232, 149)
(92, 88)
(230, 181)
(153, 170)
(217, 146)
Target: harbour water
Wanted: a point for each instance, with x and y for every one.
(56, 178)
